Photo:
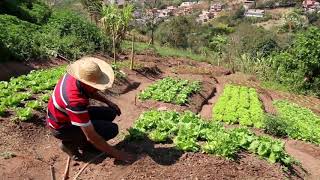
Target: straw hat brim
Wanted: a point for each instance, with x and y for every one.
(106, 80)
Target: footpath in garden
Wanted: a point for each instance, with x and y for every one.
(30, 151)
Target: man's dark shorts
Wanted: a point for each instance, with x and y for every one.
(101, 118)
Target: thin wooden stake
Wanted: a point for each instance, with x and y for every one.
(132, 53)
(66, 171)
(53, 177)
(84, 167)
(135, 100)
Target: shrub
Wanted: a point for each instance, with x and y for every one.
(33, 11)
(16, 38)
(70, 35)
(252, 40)
(176, 31)
(275, 126)
(66, 33)
(299, 66)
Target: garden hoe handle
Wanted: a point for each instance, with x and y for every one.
(66, 171)
(53, 177)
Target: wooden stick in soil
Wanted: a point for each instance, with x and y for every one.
(84, 167)
(66, 171)
(53, 177)
(132, 53)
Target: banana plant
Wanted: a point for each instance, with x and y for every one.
(115, 21)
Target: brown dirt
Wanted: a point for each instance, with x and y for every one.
(266, 100)
(36, 150)
(307, 154)
(122, 86)
(206, 111)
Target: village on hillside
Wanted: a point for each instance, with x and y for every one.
(206, 12)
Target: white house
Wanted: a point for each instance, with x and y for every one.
(248, 4)
(118, 2)
(216, 7)
(254, 13)
(311, 5)
(186, 4)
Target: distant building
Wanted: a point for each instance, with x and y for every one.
(205, 16)
(164, 13)
(216, 7)
(249, 4)
(254, 13)
(118, 2)
(311, 6)
(186, 4)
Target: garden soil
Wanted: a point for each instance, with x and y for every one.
(30, 150)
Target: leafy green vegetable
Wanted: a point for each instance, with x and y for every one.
(34, 105)
(301, 123)
(241, 105)
(24, 114)
(190, 133)
(2, 110)
(171, 90)
(19, 90)
(45, 97)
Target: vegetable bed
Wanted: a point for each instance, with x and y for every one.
(190, 133)
(27, 93)
(239, 104)
(171, 90)
(301, 123)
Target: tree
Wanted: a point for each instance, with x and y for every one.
(294, 21)
(299, 66)
(177, 31)
(150, 8)
(94, 7)
(115, 21)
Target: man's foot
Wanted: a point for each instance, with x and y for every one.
(73, 153)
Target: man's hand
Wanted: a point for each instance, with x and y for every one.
(115, 107)
(94, 138)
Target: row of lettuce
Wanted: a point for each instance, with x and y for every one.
(27, 94)
(241, 105)
(190, 133)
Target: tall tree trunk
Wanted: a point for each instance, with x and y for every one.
(114, 47)
(152, 35)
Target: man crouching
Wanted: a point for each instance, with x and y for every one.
(71, 120)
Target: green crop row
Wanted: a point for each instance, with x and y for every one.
(17, 93)
(301, 123)
(241, 105)
(190, 133)
(171, 90)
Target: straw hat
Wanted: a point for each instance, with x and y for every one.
(93, 72)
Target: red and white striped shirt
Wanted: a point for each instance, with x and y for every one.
(68, 104)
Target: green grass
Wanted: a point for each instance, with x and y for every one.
(139, 47)
(164, 51)
(275, 86)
